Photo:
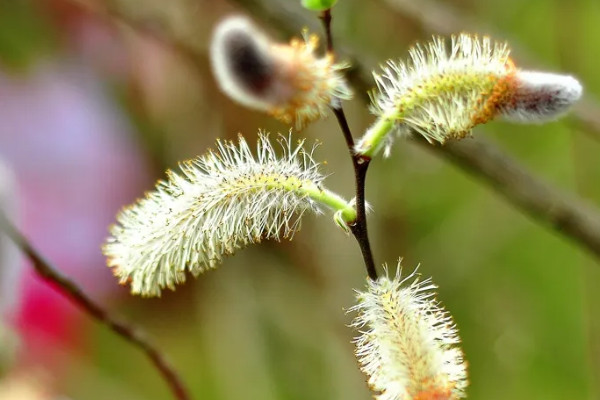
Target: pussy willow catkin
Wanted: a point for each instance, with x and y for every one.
(219, 202)
(288, 81)
(408, 345)
(441, 93)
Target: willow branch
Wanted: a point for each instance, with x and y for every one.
(326, 20)
(132, 334)
(360, 165)
(542, 201)
(555, 208)
(566, 213)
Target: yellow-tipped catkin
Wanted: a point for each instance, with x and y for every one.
(408, 345)
(441, 93)
(218, 203)
(288, 81)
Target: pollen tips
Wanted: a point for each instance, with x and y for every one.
(408, 345)
(216, 204)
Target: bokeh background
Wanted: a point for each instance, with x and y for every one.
(98, 98)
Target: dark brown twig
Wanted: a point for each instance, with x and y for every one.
(132, 334)
(361, 166)
(326, 20)
(359, 230)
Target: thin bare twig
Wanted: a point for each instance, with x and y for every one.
(565, 213)
(326, 20)
(132, 334)
(359, 230)
(360, 165)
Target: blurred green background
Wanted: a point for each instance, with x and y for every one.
(270, 322)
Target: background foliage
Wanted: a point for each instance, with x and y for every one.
(269, 323)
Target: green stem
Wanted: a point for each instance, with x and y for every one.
(344, 209)
(334, 201)
(374, 138)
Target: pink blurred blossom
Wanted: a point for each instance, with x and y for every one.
(75, 164)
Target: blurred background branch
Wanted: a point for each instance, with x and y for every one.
(130, 333)
(559, 210)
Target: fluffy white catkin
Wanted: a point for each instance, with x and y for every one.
(219, 202)
(288, 81)
(408, 345)
(443, 92)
